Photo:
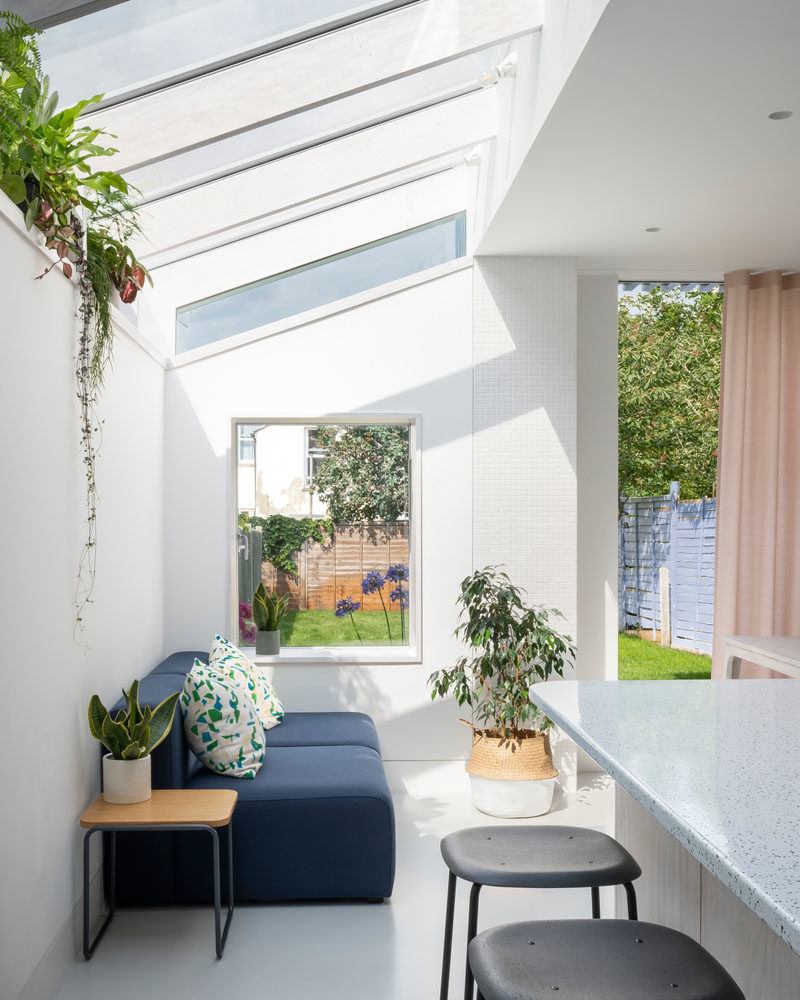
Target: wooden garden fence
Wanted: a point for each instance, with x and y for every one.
(666, 569)
(330, 571)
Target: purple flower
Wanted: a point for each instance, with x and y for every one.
(372, 581)
(346, 607)
(397, 572)
(247, 629)
(400, 593)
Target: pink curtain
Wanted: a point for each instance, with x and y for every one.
(757, 581)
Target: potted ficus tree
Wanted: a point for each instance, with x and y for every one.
(268, 613)
(130, 736)
(511, 646)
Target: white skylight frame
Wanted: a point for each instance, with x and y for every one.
(313, 73)
(215, 211)
(108, 25)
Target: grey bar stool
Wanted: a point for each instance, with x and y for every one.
(529, 857)
(595, 960)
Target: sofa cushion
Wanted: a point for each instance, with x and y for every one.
(220, 723)
(180, 663)
(228, 658)
(316, 822)
(311, 729)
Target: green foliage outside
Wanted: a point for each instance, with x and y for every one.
(282, 536)
(669, 372)
(640, 660)
(323, 628)
(364, 473)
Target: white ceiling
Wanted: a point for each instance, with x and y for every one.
(663, 122)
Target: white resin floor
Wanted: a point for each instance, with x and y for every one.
(347, 951)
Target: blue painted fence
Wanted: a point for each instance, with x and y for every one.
(657, 532)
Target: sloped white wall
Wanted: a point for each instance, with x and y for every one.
(410, 352)
(51, 764)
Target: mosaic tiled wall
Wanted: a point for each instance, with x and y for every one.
(524, 423)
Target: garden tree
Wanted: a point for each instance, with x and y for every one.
(363, 475)
(669, 358)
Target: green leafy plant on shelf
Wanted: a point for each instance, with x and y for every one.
(87, 217)
(133, 732)
(511, 647)
(269, 609)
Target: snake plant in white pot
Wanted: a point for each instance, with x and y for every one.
(130, 736)
(511, 646)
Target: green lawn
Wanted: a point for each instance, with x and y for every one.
(642, 660)
(323, 628)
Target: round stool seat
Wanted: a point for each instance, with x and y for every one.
(595, 960)
(538, 857)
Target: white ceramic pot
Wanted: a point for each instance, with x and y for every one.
(512, 799)
(126, 781)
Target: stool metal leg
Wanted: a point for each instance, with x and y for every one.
(633, 912)
(595, 903)
(472, 930)
(448, 936)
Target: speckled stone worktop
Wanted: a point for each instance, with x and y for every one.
(715, 762)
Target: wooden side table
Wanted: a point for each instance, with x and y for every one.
(168, 809)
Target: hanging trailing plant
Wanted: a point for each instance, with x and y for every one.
(46, 168)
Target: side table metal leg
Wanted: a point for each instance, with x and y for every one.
(220, 933)
(595, 903)
(89, 948)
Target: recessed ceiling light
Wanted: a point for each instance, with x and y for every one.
(653, 229)
(777, 116)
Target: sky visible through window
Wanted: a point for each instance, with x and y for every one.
(118, 48)
(320, 283)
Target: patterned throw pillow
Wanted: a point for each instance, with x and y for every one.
(221, 724)
(231, 660)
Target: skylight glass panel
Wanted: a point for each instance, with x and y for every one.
(296, 132)
(119, 48)
(321, 282)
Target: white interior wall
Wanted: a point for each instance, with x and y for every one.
(545, 60)
(597, 477)
(409, 352)
(52, 767)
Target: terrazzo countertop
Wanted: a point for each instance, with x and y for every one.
(715, 762)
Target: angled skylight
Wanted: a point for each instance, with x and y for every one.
(139, 41)
(320, 282)
(315, 125)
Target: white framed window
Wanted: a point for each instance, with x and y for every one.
(349, 565)
(247, 443)
(314, 453)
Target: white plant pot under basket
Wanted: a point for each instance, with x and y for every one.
(512, 799)
(126, 781)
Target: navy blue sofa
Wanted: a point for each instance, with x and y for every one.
(317, 822)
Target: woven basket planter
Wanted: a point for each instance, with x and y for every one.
(511, 776)
(522, 758)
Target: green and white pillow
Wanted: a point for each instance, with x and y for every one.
(229, 659)
(221, 724)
